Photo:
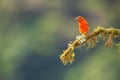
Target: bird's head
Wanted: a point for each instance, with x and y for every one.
(79, 18)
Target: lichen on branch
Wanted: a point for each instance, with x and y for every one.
(91, 39)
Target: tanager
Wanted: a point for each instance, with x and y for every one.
(83, 25)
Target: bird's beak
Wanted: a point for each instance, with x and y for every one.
(76, 18)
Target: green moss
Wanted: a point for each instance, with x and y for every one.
(91, 40)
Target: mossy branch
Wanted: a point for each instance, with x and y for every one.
(68, 55)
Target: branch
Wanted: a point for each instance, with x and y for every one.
(68, 55)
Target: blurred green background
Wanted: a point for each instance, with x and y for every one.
(33, 33)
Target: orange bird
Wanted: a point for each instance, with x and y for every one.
(83, 25)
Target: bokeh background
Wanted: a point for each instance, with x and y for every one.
(33, 33)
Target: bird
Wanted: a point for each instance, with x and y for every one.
(83, 25)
